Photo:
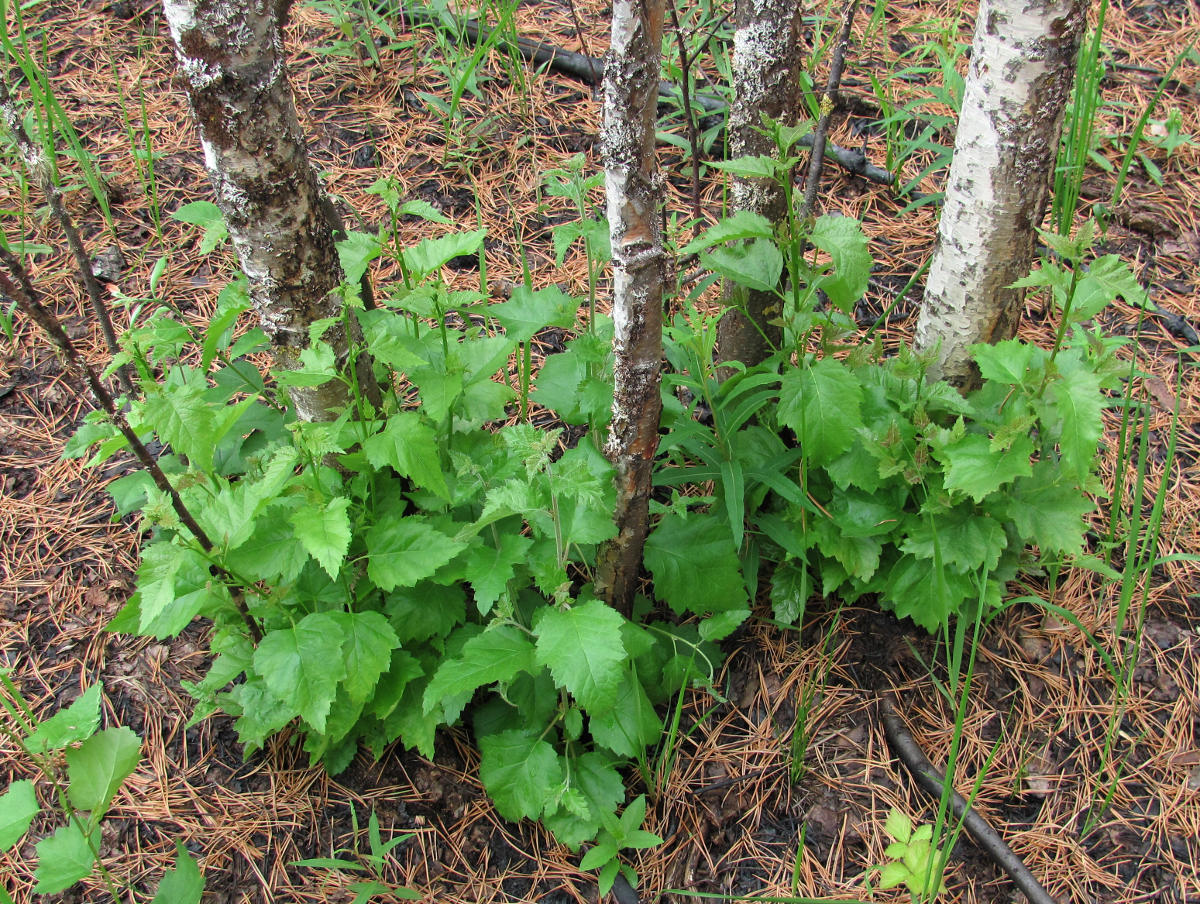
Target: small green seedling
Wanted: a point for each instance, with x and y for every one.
(84, 768)
(619, 834)
(915, 862)
(372, 862)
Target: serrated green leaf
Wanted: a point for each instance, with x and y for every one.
(1006, 362)
(898, 826)
(272, 552)
(18, 806)
(1048, 510)
(822, 403)
(183, 418)
(531, 310)
(429, 255)
(583, 649)
(409, 445)
(404, 550)
(490, 569)
(1077, 399)
(99, 765)
(314, 366)
(893, 874)
(842, 238)
(963, 537)
(743, 224)
(182, 884)
(755, 265)
(355, 253)
(717, 627)
(1107, 278)
(631, 725)
(521, 772)
(74, 723)
(973, 468)
(303, 665)
(64, 858)
(749, 167)
(695, 566)
(324, 531)
(366, 651)
(498, 654)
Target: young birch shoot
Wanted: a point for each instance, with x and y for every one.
(232, 64)
(766, 81)
(1022, 65)
(634, 192)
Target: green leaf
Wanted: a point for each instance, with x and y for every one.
(749, 167)
(183, 418)
(1107, 278)
(598, 856)
(756, 265)
(75, 723)
(489, 569)
(425, 611)
(64, 858)
(631, 725)
(99, 765)
(791, 586)
(1049, 509)
(695, 566)
(718, 627)
(842, 238)
(521, 772)
(272, 553)
(741, 225)
(355, 253)
(207, 215)
(404, 550)
(498, 654)
(367, 651)
(18, 806)
(315, 366)
(893, 874)
(410, 446)
(898, 826)
(1077, 399)
(1007, 362)
(431, 254)
(964, 538)
(972, 467)
(822, 403)
(583, 649)
(303, 665)
(324, 531)
(530, 311)
(182, 884)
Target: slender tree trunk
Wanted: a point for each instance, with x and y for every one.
(1022, 65)
(766, 80)
(233, 67)
(634, 191)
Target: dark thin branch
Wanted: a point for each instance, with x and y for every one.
(26, 297)
(828, 100)
(35, 161)
(685, 65)
(930, 780)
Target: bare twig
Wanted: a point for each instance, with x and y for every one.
(22, 291)
(930, 780)
(685, 64)
(39, 168)
(828, 99)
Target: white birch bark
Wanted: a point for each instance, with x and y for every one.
(634, 199)
(232, 63)
(1022, 65)
(765, 80)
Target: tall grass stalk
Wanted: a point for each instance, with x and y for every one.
(1076, 146)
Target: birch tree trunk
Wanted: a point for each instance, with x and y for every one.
(1022, 66)
(634, 198)
(766, 79)
(232, 64)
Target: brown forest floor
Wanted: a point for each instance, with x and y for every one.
(732, 818)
